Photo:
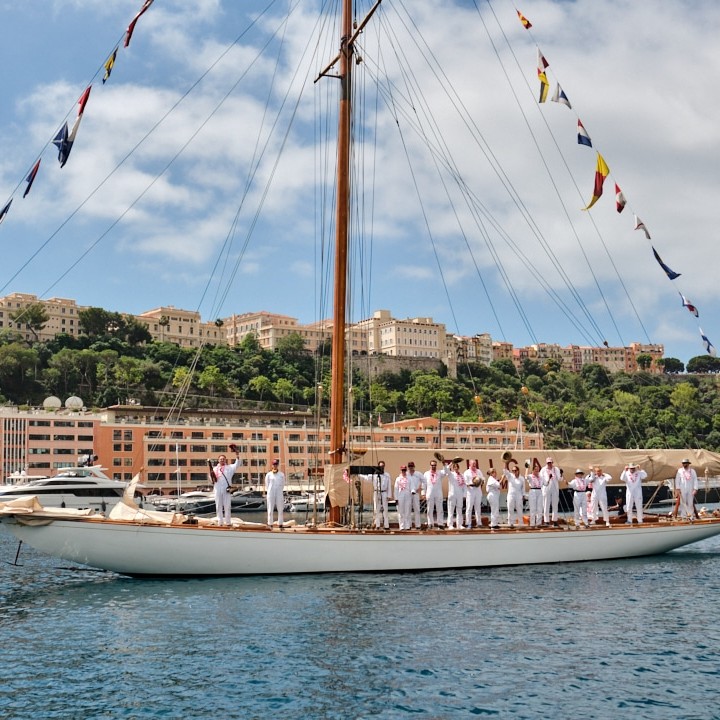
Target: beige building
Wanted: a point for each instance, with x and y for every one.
(62, 316)
(183, 327)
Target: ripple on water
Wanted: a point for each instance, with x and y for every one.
(599, 639)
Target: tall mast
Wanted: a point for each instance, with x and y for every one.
(337, 389)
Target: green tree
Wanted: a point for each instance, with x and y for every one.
(261, 385)
(284, 390)
(644, 361)
(34, 317)
(212, 379)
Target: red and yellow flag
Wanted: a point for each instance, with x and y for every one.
(601, 172)
(525, 22)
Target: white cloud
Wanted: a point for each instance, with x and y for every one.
(643, 92)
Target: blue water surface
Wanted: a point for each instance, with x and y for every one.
(635, 638)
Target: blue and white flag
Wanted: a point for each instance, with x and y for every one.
(709, 347)
(559, 96)
(583, 137)
(670, 273)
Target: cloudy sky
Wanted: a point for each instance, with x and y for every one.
(189, 185)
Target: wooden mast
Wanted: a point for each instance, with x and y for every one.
(337, 389)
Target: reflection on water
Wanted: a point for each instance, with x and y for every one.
(598, 639)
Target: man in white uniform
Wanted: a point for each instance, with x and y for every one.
(579, 485)
(456, 491)
(381, 490)
(632, 476)
(402, 495)
(551, 491)
(686, 484)
(534, 482)
(599, 481)
(223, 474)
(274, 484)
(493, 497)
(434, 496)
(516, 490)
(473, 494)
(417, 480)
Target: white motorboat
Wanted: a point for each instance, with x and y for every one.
(139, 542)
(75, 487)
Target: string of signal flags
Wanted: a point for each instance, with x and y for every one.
(65, 137)
(602, 171)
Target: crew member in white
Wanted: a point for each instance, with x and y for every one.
(492, 488)
(632, 476)
(456, 491)
(223, 480)
(534, 482)
(599, 481)
(417, 480)
(516, 490)
(434, 496)
(274, 484)
(551, 491)
(579, 485)
(402, 495)
(381, 490)
(473, 494)
(686, 483)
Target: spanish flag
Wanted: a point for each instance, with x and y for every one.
(601, 172)
(525, 22)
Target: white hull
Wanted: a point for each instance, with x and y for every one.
(138, 549)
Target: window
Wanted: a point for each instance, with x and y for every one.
(128, 447)
(197, 435)
(64, 437)
(85, 438)
(38, 437)
(127, 435)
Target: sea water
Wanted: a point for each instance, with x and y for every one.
(635, 638)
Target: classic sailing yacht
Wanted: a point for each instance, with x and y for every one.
(138, 542)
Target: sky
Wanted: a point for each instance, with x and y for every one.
(187, 185)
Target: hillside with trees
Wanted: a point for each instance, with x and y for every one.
(115, 362)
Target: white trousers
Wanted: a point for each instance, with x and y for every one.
(494, 503)
(634, 497)
(380, 509)
(415, 511)
(536, 507)
(515, 507)
(551, 497)
(403, 507)
(687, 506)
(599, 500)
(222, 503)
(275, 501)
(580, 507)
(435, 509)
(473, 503)
(455, 505)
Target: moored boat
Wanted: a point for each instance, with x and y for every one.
(138, 542)
(76, 487)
